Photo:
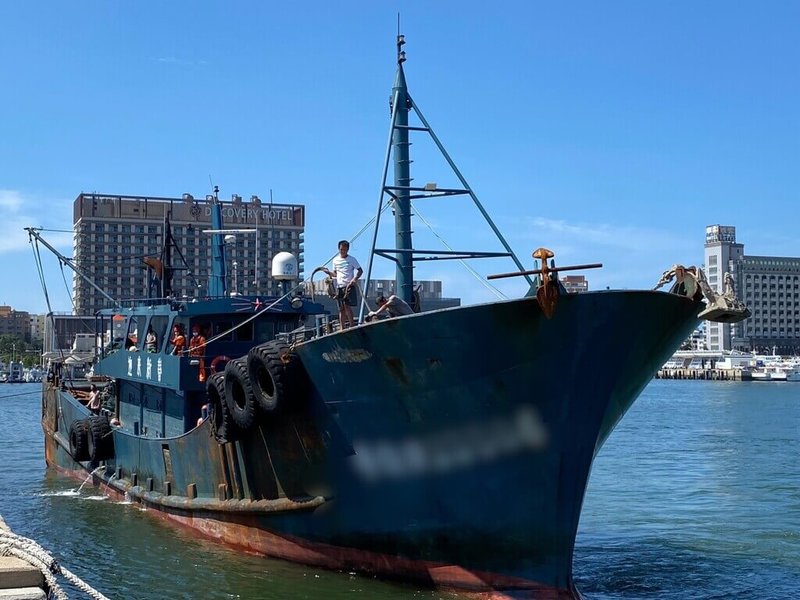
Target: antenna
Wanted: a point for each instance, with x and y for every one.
(271, 238)
(401, 40)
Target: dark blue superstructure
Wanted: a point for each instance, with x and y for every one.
(451, 446)
(161, 394)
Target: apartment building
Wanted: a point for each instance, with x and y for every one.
(113, 234)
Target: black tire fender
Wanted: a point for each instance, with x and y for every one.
(239, 393)
(79, 440)
(276, 375)
(100, 439)
(221, 421)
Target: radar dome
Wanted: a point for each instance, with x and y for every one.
(284, 266)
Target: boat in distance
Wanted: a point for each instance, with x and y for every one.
(451, 447)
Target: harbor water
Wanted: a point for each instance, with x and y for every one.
(695, 495)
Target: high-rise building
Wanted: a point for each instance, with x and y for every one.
(721, 250)
(15, 322)
(575, 284)
(113, 234)
(37, 327)
(430, 294)
(768, 285)
(428, 289)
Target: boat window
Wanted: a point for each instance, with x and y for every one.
(117, 334)
(265, 330)
(286, 325)
(132, 338)
(222, 327)
(158, 325)
(244, 333)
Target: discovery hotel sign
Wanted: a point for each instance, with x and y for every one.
(278, 215)
(187, 210)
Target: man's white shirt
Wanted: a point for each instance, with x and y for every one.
(345, 269)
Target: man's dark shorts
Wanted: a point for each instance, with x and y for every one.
(349, 298)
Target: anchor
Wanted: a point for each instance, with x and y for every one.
(547, 294)
(692, 282)
(548, 291)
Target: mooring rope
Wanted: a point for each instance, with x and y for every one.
(21, 393)
(31, 552)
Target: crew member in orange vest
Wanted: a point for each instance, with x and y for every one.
(178, 340)
(197, 349)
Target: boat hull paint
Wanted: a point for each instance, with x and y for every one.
(521, 510)
(453, 447)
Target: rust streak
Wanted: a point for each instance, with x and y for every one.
(397, 369)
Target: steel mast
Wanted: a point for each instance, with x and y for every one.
(402, 180)
(401, 193)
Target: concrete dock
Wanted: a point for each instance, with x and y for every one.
(18, 579)
(708, 374)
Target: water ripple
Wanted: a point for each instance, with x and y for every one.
(695, 496)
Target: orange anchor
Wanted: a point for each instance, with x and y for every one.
(547, 294)
(548, 291)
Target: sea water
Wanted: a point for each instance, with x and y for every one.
(695, 495)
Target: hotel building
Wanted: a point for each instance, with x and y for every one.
(430, 294)
(113, 234)
(768, 285)
(575, 284)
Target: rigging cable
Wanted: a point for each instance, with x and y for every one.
(38, 260)
(235, 327)
(37, 257)
(477, 275)
(66, 285)
(289, 293)
(62, 231)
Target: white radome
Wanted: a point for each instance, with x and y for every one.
(284, 266)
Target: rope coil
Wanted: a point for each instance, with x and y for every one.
(31, 552)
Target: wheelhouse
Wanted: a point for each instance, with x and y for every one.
(160, 390)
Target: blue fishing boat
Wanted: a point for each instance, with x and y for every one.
(451, 447)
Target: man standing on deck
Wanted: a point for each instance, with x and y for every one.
(197, 350)
(95, 403)
(347, 271)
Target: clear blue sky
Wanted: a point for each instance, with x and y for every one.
(610, 132)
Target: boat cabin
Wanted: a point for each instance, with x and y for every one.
(160, 387)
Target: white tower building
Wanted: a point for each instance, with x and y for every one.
(721, 254)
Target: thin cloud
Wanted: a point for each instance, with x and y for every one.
(10, 200)
(20, 211)
(632, 257)
(624, 238)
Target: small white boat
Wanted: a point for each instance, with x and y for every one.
(793, 375)
(760, 374)
(777, 372)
